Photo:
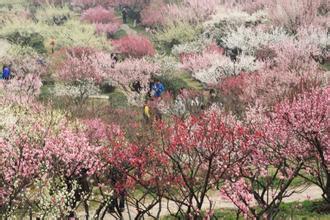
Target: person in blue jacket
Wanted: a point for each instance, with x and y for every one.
(6, 72)
(158, 88)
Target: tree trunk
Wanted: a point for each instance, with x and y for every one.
(326, 191)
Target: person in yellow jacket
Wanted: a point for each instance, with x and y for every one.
(146, 113)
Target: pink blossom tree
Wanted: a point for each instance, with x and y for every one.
(134, 46)
(126, 72)
(307, 119)
(98, 15)
(21, 153)
(292, 70)
(292, 138)
(24, 87)
(83, 68)
(105, 20)
(294, 14)
(275, 160)
(152, 15)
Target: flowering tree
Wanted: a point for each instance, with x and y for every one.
(152, 15)
(307, 119)
(105, 21)
(291, 71)
(22, 153)
(126, 72)
(250, 39)
(83, 67)
(211, 67)
(134, 46)
(292, 139)
(71, 158)
(294, 14)
(275, 161)
(201, 151)
(25, 85)
(20, 161)
(191, 11)
(98, 15)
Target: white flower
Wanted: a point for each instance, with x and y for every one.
(251, 39)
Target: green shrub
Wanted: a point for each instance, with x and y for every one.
(118, 99)
(172, 84)
(53, 15)
(175, 34)
(27, 39)
(72, 33)
(119, 34)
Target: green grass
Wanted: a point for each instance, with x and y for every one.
(192, 83)
(119, 34)
(307, 210)
(117, 99)
(326, 66)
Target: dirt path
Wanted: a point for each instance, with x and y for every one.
(128, 30)
(309, 193)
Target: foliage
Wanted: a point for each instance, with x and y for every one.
(53, 15)
(119, 34)
(177, 34)
(33, 40)
(71, 33)
(118, 99)
(172, 84)
(191, 47)
(85, 4)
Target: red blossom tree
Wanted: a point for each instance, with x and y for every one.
(134, 46)
(201, 152)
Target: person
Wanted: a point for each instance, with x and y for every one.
(213, 95)
(158, 114)
(150, 91)
(117, 177)
(146, 113)
(234, 53)
(158, 88)
(52, 45)
(6, 72)
(114, 59)
(136, 86)
(124, 13)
